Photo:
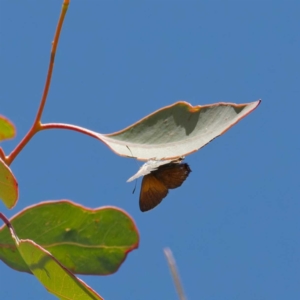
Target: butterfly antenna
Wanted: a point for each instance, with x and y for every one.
(134, 187)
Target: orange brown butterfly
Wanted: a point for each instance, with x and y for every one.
(159, 177)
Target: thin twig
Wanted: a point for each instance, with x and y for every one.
(52, 58)
(174, 272)
(10, 227)
(36, 126)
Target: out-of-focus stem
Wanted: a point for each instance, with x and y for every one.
(174, 272)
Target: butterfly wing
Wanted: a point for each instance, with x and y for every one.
(152, 192)
(172, 175)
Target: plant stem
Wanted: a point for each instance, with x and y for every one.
(70, 127)
(174, 272)
(2, 154)
(36, 126)
(5, 220)
(10, 228)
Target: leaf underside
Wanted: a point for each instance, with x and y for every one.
(176, 130)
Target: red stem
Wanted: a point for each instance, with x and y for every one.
(2, 154)
(69, 127)
(5, 220)
(10, 227)
(37, 122)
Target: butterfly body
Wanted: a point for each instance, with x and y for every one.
(155, 185)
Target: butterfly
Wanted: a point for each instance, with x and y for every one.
(159, 177)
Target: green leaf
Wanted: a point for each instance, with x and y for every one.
(7, 129)
(57, 279)
(9, 191)
(176, 130)
(86, 241)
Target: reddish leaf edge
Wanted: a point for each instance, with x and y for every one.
(192, 109)
(134, 228)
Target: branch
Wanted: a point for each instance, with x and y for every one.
(37, 122)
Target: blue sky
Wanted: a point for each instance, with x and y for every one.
(234, 225)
